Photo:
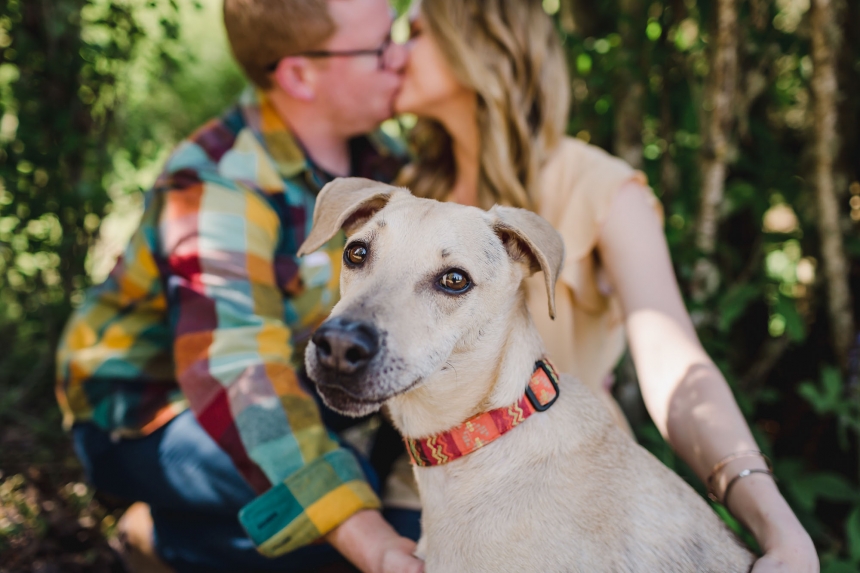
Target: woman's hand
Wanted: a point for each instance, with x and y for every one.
(785, 562)
(787, 546)
(791, 552)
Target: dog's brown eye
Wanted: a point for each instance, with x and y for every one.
(356, 253)
(455, 281)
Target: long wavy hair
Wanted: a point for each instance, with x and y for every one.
(508, 51)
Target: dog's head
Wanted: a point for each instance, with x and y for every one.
(421, 280)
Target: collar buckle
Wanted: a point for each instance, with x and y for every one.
(550, 375)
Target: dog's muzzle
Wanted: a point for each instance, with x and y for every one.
(344, 347)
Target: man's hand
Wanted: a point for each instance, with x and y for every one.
(400, 558)
(372, 545)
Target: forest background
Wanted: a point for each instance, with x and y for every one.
(744, 115)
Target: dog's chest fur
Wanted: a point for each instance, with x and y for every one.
(584, 498)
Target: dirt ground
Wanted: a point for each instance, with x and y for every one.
(51, 521)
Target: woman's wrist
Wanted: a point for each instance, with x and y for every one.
(734, 468)
(756, 501)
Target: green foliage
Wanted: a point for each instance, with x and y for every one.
(91, 99)
(826, 486)
(93, 95)
(734, 303)
(827, 397)
(830, 398)
(60, 92)
(766, 324)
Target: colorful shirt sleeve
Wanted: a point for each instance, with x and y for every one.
(232, 352)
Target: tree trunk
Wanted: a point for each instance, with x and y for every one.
(670, 174)
(578, 16)
(760, 14)
(628, 123)
(719, 94)
(631, 89)
(825, 144)
(718, 101)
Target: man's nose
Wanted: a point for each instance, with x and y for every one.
(398, 56)
(345, 346)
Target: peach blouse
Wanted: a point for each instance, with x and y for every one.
(578, 184)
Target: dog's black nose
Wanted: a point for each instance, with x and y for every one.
(345, 345)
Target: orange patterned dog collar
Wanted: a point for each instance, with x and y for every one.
(482, 429)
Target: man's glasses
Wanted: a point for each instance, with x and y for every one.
(384, 55)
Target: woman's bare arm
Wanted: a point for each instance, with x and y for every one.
(685, 393)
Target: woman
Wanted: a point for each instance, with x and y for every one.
(488, 81)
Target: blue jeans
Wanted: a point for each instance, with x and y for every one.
(195, 493)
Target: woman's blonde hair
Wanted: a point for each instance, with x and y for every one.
(508, 51)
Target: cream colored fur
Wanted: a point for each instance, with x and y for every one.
(566, 491)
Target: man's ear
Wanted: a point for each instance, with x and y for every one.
(296, 77)
(345, 203)
(530, 239)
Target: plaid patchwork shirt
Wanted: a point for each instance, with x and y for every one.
(209, 309)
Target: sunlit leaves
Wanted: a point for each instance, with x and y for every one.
(63, 78)
(583, 64)
(653, 30)
(551, 7)
(792, 322)
(790, 14)
(686, 34)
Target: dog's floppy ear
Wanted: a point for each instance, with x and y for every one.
(345, 203)
(530, 238)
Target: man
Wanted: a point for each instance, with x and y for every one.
(180, 375)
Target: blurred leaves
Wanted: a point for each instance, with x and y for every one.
(93, 96)
(852, 534)
(827, 397)
(831, 397)
(827, 486)
(734, 302)
(86, 118)
(766, 324)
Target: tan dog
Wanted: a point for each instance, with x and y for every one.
(432, 323)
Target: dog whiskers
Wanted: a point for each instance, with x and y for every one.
(451, 366)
